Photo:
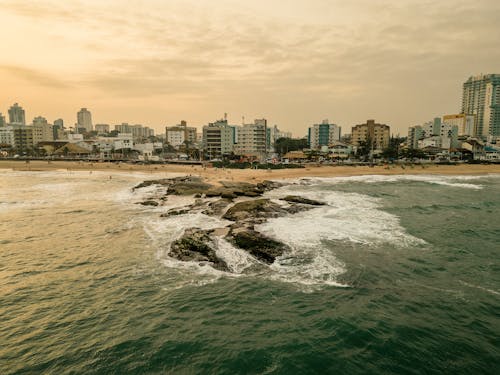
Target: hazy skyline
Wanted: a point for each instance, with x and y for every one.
(156, 62)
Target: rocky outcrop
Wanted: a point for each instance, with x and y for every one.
(192, 185)
(187, 186)
(301, 200)
(254, 209)
(199, 246)
(196, 245)
(260, 246)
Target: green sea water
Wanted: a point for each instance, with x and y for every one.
(396, 275)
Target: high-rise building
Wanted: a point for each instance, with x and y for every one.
(481, 98)
(2, 120)
(84, 120)
(181, 134)
(377, 134)
(251, 139)
(323, 134)
(218, 139)
(17, 115)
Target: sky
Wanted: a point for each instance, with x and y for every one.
(294, 62)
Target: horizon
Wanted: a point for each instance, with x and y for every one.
(294, 66)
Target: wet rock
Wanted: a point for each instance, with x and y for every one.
(267, 185)
(149, 202)
(301, 200)
(163, 182)
(196, 245)
(175, 212)
(261, 247)
(217, 207)
(187, 186)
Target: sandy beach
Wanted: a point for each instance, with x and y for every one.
(213, 175)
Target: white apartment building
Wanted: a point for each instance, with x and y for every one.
(251, 139)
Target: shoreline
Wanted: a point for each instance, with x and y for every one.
(214, 175)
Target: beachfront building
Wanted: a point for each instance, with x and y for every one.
(251, 140)
(84, 120)
(464, 123)
(323, 134)
(6, 136)
(42, 130)
(433, 133)
(340, 150)
(17, 115)
(481, 98)
(377, 134)
(2, 120)
(23, 138)
(218, 139)
(181, 135)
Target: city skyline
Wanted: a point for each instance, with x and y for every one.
(398, 63)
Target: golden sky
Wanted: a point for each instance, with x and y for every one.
(294, 62)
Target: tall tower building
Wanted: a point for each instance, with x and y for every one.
(16, 115)
(481, 98)
(84, 120)
(323, 134)
(2, 120)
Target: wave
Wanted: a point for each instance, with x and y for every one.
(446, 180)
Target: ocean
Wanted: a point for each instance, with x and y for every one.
(395, 275)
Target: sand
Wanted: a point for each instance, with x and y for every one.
(213, 175)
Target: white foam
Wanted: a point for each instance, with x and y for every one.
(372, 179)
(348, 217)
(237, 260)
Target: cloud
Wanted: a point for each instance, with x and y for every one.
(34, 77)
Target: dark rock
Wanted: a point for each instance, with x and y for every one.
(163, 182)
(149, 203)
(228, 195)
(175, 212)
(252, 209)
(267, 185)
(196, 245)
(301, 200)
(261, 247)
(217, 207)
(188, 186)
